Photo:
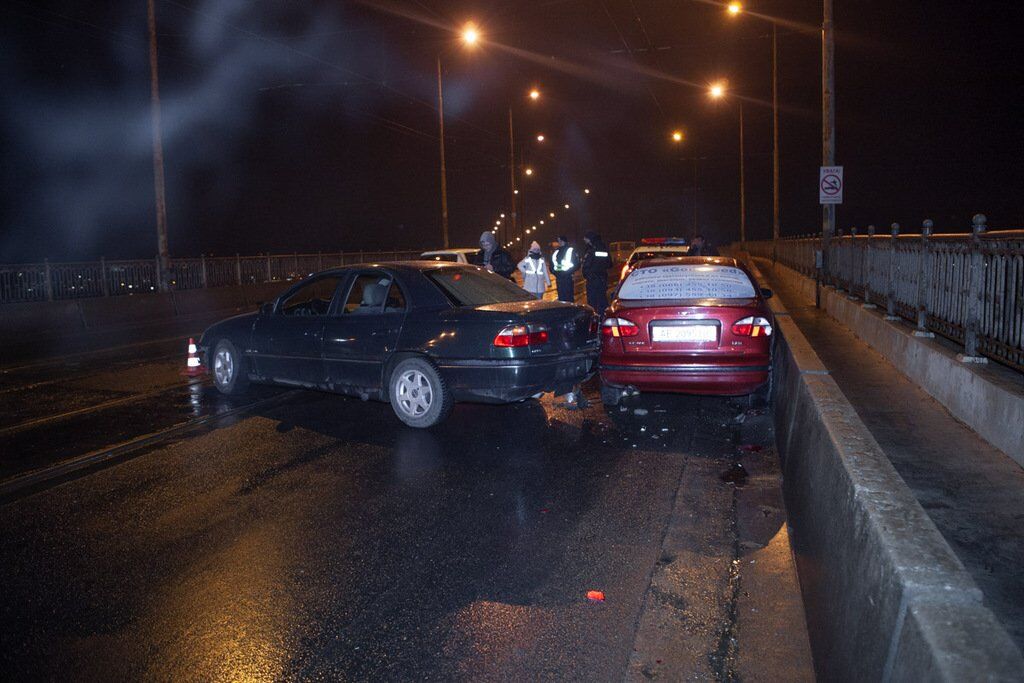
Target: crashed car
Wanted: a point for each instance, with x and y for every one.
(419, 334)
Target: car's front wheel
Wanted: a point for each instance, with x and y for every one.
(228, 369)
(419, 396)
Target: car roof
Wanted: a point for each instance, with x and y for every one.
(689, 261)
(458, 250)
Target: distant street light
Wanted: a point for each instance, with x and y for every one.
(716, 91)
(502, 215)
(567, 206)
(528, 171)
(552, 214)
(734, 8)
(534, 94)
(586, 190)
(540, 138)
(677, 136)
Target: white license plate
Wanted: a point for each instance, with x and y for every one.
(684, 333)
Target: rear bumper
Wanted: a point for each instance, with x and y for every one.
(507, 381)
(709, 379)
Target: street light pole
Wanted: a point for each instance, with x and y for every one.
(828, 124)
(775, 142)
(444, 173)
(163, 256)
(512, 172)
(743, 186)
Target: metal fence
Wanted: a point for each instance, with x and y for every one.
(56, 281)
(968, 287)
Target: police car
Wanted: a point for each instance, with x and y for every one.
(654, 247)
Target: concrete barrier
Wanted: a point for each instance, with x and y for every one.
(886, 597)
(988, 399)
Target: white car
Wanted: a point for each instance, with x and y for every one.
(450, 255)
(655, 247)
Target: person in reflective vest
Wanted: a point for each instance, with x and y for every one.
(596, 262)
(564, 262)
(534, 268)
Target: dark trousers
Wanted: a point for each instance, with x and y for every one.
(565, 288)
(597, 294)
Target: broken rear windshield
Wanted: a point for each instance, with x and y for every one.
(687, 282)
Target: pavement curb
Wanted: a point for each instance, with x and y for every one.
(886, 597)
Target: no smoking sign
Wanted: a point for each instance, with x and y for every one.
(830, 185)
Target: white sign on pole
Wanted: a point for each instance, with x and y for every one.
(830, 185)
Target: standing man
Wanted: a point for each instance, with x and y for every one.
(596, 263)
(701, 247)
(494, 258)
(564, 262)
(535, 272)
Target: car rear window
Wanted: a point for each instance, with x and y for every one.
(687, 282)
(661, 253)
(451, 258)
(471, 287)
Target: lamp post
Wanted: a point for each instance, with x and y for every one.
(717, 92)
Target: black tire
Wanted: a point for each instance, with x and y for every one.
(419, 395)
(610, 396)
(229, 369)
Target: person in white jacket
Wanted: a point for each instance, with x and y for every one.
(534, 268)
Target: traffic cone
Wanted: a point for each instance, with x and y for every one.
(193, 368)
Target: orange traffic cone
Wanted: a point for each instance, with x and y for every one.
(192, 366)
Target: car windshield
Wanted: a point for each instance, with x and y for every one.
(450, 258)
(661, 253)
(687, 282)
(467, 287)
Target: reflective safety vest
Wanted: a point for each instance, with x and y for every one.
(601, 254)
(565, 263)
(536, 265)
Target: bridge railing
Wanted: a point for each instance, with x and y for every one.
(49, 281)
(967, 287)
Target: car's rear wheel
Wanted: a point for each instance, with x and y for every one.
(228, 369)
(419, 395)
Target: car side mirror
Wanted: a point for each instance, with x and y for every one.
(767, 293)
(266, 308)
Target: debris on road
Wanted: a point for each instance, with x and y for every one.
(595, 596)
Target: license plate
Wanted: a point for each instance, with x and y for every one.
(684, 333)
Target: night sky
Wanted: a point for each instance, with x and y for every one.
(307, 125)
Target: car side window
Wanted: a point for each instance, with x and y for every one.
(367, 294)
(311, 299)
(396, 299)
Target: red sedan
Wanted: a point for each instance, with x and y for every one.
(691, 325)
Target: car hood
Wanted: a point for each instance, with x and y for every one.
(236, 327)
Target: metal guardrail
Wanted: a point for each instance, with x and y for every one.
(56, 281)
(967, 287)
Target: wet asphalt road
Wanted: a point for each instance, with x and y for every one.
(320, 539)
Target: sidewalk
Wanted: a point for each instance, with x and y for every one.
(973, 492)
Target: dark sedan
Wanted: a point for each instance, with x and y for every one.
(419, 334)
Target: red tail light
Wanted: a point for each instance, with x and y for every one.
(619, 327)
(752, 327)
(521, 335)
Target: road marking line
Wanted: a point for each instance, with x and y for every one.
(10, 488)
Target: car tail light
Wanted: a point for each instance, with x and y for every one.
(619, 327)
(521, 335)
(752, 327)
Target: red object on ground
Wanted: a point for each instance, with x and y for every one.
(596, 596)
(193, 368)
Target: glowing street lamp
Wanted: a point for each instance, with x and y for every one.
(567, 206)
(534, 94)
(716, 91)
(586, 190)
(540, 137)
(552, 214)
(528, 171)
(677, 136)
(734, 8)
(470, 34)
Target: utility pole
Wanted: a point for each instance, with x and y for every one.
(775, 143)
(163, 256)
(513, 222)
(444, 172)
(743, 186)
(828, 125)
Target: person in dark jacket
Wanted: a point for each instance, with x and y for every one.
(701, 247)
(596, 262)
(494, 258)
(564, 262)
